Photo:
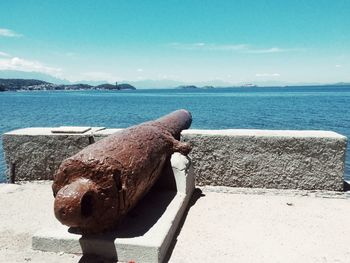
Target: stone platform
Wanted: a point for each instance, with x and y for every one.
(145, 234)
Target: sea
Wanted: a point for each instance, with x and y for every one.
(275, 108)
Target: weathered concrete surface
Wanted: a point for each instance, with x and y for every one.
(71, 129)
(247, 225)
(33, 155)
(144, 235)
(239, 158)
(268, 159)
(273, 227)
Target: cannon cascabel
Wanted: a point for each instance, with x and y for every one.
(97, 186)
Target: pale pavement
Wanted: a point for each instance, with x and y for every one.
(240, 225)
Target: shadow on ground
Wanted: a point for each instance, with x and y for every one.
(139, 229)
(141, 219)
(137, 223)
(96, 259)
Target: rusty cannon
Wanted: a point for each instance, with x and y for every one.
(96, 187)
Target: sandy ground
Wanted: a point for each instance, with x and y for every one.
(23, 211)
(221, 225)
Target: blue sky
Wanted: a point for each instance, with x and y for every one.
(190, 41)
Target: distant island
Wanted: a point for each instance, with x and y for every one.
(19, 84)
(250, 85)
(194, 87)
(34, 84)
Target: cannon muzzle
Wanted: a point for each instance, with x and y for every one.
(74, 203)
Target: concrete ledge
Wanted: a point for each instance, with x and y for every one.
(266, 133)
(285, 159)
(37, 157)
(308, 160)
(144, 235)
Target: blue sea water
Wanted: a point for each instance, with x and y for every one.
(302, 108)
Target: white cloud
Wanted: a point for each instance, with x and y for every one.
(207, 46)
(241, 48)
(267, 50)
(267, 75)
(4, 32)
(4, 54)
(199, 44)
(338, 66)
(139, 70)
(238, 47)
(16, 63)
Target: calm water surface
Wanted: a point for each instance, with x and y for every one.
(303, 108)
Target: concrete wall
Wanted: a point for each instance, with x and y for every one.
(37, 157)
(268, 159)
(238, 158)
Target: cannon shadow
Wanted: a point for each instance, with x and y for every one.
(138, 223)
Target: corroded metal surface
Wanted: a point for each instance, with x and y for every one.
(99, 185)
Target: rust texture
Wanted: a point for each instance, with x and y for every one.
(96, 187)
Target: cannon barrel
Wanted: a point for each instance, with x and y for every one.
(96, 187)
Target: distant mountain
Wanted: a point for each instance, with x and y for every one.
(2, 88)
(34, 84)
(78, 86)
(115, 87)
(214, 83)
(156, 84)
(146, 84)
(187, 87)
(15, 74)
(340, 84)
(18, 84)
(125, 86)
(167, 83)
(106, 86)
(89, 82)
(22, 82)
(191, 87)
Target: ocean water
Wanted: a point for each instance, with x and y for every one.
(302, 108)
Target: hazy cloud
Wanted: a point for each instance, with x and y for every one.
(338, 66)
(4, 32)
(267, 75)
(268, 50)
(139, 70)
(207, 46)
(4, 54)
(241, 48)
(16, 63)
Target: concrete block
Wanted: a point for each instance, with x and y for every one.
(309, 160)
(70, 129)
(181, 167)
(36, 153)
(144, 235)
(32, 154)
